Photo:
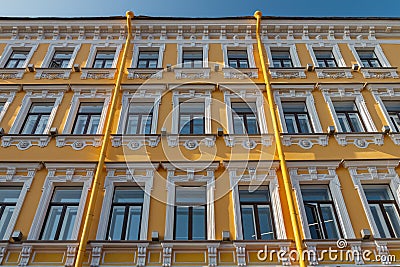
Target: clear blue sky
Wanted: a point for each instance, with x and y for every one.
(200, 8)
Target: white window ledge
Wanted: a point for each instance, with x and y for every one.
(23, 142)
(361, 140)
(135, 142)
(145, 74)
(305, 141)
(395, 138)
(192, 73)
(334, 73)
(380, 73)
(91, 73)
(231, 73)
(51, 74)
(78, 142)
(287, 73)
(248, 141)
(17, 73)
(191, 142)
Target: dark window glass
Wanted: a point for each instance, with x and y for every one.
(368, 59)
(37, 118)
(191, 118)
(348, 116)
(88, 118)
(103, 59)
(393, 109)
(60, 59)
(8, 200)
(139, 118)
(17, 59)
(244, 118)
(192, 59)
(2, 106)
(296, 117)
(325, 59)
(61, 214)
(281, 59)
(147, 59)
(238, 59)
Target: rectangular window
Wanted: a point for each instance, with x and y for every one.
(139, 120)
(281, 59)
(61, 214)
(238, 59)
(8, 200)
(191, 118)
(369, 59)
(103, 59)
(256, 213)
(325, 59)
(17, 59)
(60, 59)
(126, 214)
(296, 117)
(147, 59)
(190, 213)
(37, 118)
(88, 118)
(393, 109)
(2, 106)
(320, 211)
(384, 209)
(192, 58)
(244, 118)
(348, 116)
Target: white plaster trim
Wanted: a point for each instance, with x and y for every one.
(7, 96)
(145, 74)
(32, 47)
(79, 142)
(240, 73)
(136, 50)
(53, 48)
(334, 47)
(191, 44)
(305, 141)
(192, 73)
(279, 45)
(248, 141)
(191, 142)
(135, 142)
(360, 140)
(103, 46)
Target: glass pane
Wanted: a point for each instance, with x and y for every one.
(329, 221)
(132, 124)
(116, 223)
(142, 64)
(140, 108)
(394, 219)
(344, 106)
(246, 195)
(9, 194)
(5, 220)
(199, 223)
(133, 227)
(67, 195)
(93, 124)
(265, 219)
(190, 195)
(91, 107)
(242, 107)
(243, 64)
(184, 124)
(312, 219)
(291, 123)
(68, 223)
(80, 124)
(233, 64)
(191, 107)
(248, 223)
(148, 55)
(356, 122)
(242, 54)
(344, 124)
(29, 125)
(315, 194)
(392, 106)
(108, 64)
(145, 125)
(377, 192)
(304, 122)
(294, 107)
(41, 108)
(198, 125)
(252, 126)
(128, 195)
(152, 64)
(181, 223)
(1, 106)
(42, 124)
(51, 224)
(379, 221)
(238, 124)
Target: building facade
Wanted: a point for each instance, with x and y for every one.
(191, 173)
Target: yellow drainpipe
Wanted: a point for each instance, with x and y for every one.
(285, 175)
(97, 182)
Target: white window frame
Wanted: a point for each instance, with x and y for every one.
(137, 48)
(100, 47)
(329, 47)
(309, 174)
(292, 50)
(182, 46)
(239, 46)
(53, 48)
(190, 178)
(74, 174)
(17, 174)
(8, 50)
(134, 174)
(256, 174)
(7, 96)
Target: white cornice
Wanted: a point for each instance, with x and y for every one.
(368, 163)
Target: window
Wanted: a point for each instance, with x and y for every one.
(244, 118)
(192, 58)
(103, 59)
(190, 213)
(281, 59)
(191, 118)
(37, 118)
(60, 59)
(2, 106)
(320, 212)
(384, 210)
(296, 117)
(17, 59)
(126, 214)
(139, 119)
(348, 116)
(148, 59)
(325, 59)
(238, 59)
(256, 213)
(393, 109)
(8, 200)
(88, 118)
(369, 59)
(61, 214)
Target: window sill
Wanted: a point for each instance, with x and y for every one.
(135, 142)
(380, 73)
(248, 141)
(360, 140)
(287, 73)
(15, 73)
(92, 73)
(23, 142)
(192, 73)
(305, 141)
(334, 73)
(51, 74)
(191, 142)
(145, 74)
(78, 142)
(240, 73)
